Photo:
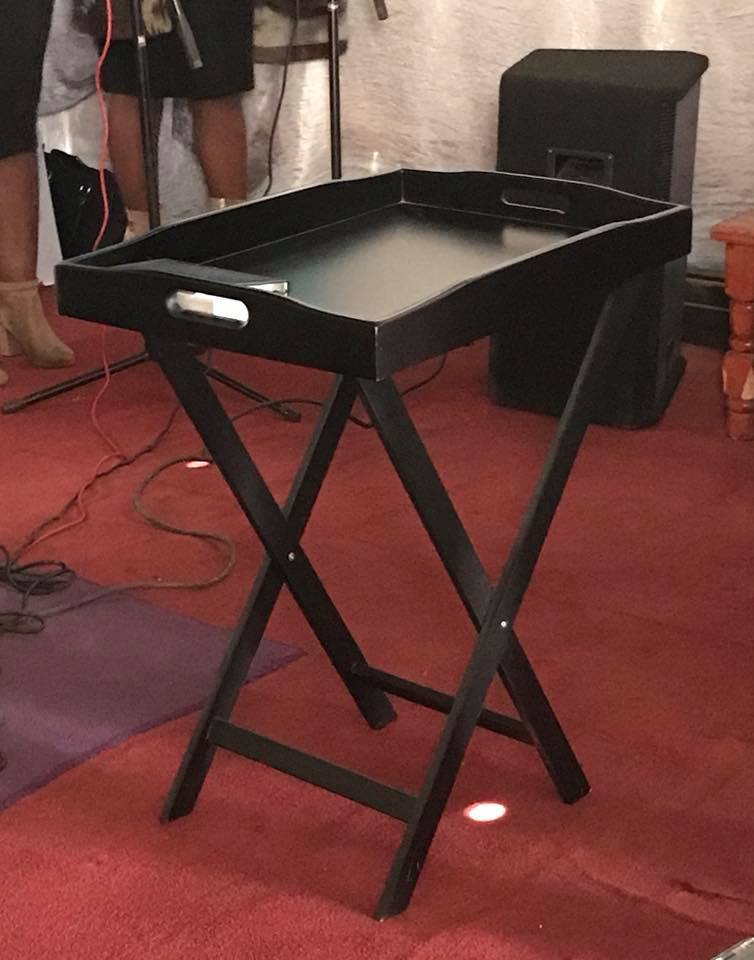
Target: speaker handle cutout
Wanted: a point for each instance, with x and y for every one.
(584, 166)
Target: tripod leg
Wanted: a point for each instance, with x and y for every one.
(286, 412)
(14, 406)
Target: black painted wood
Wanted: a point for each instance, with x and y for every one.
(358, 304)
(483, 246)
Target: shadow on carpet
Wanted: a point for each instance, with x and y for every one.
(98, 675)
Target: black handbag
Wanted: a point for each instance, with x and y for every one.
(77, 202)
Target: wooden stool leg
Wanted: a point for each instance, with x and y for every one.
(738, 363)
(737, 234)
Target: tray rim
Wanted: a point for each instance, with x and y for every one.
(357, 346)
(663, 210)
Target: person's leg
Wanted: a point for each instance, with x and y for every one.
(128, 159)
(223, 31)
(19, 222)
(19, 226)
(220, 144)
(23, 325)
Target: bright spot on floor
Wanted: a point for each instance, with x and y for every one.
(485, 812)
(196, 464)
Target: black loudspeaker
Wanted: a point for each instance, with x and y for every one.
(626, 119)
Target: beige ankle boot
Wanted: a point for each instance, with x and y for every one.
(24, 327)
(9, 346)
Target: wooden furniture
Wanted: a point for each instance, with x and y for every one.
(737, 233)
(372, 276)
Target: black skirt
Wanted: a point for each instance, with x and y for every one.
(223, 30)
(24, 28)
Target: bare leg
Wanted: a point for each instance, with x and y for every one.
(220, 144)
(20, 218)
(127, 156)
(23, 325)
(18, 230)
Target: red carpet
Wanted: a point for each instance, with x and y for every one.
(638, 623)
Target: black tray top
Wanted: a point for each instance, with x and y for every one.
(383, 263)
(364, 277)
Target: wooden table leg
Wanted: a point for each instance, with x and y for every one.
(737, 234)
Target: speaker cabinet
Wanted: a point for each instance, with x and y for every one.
(626, 119)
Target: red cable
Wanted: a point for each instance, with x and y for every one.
(106, 212)
(105, 120)
(116, 451)
(103, 157)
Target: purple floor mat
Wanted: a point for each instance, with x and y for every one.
(98, 675)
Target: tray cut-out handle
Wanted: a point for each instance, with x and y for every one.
(208, 308)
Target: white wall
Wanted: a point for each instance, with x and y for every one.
(421, 89)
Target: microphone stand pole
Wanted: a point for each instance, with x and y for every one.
(333, 41)
(151, 167)
(148, 139)
(336, 139)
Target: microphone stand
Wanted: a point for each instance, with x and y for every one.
(333, 38)
(149, 142)
(151, 168)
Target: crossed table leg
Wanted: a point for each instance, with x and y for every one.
(492, 609)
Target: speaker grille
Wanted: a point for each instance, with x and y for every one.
(664, 138)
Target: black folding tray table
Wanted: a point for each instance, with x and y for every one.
(364, 278)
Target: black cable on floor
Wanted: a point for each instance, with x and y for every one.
(357, 421)
(35, 579)
(42, 578)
